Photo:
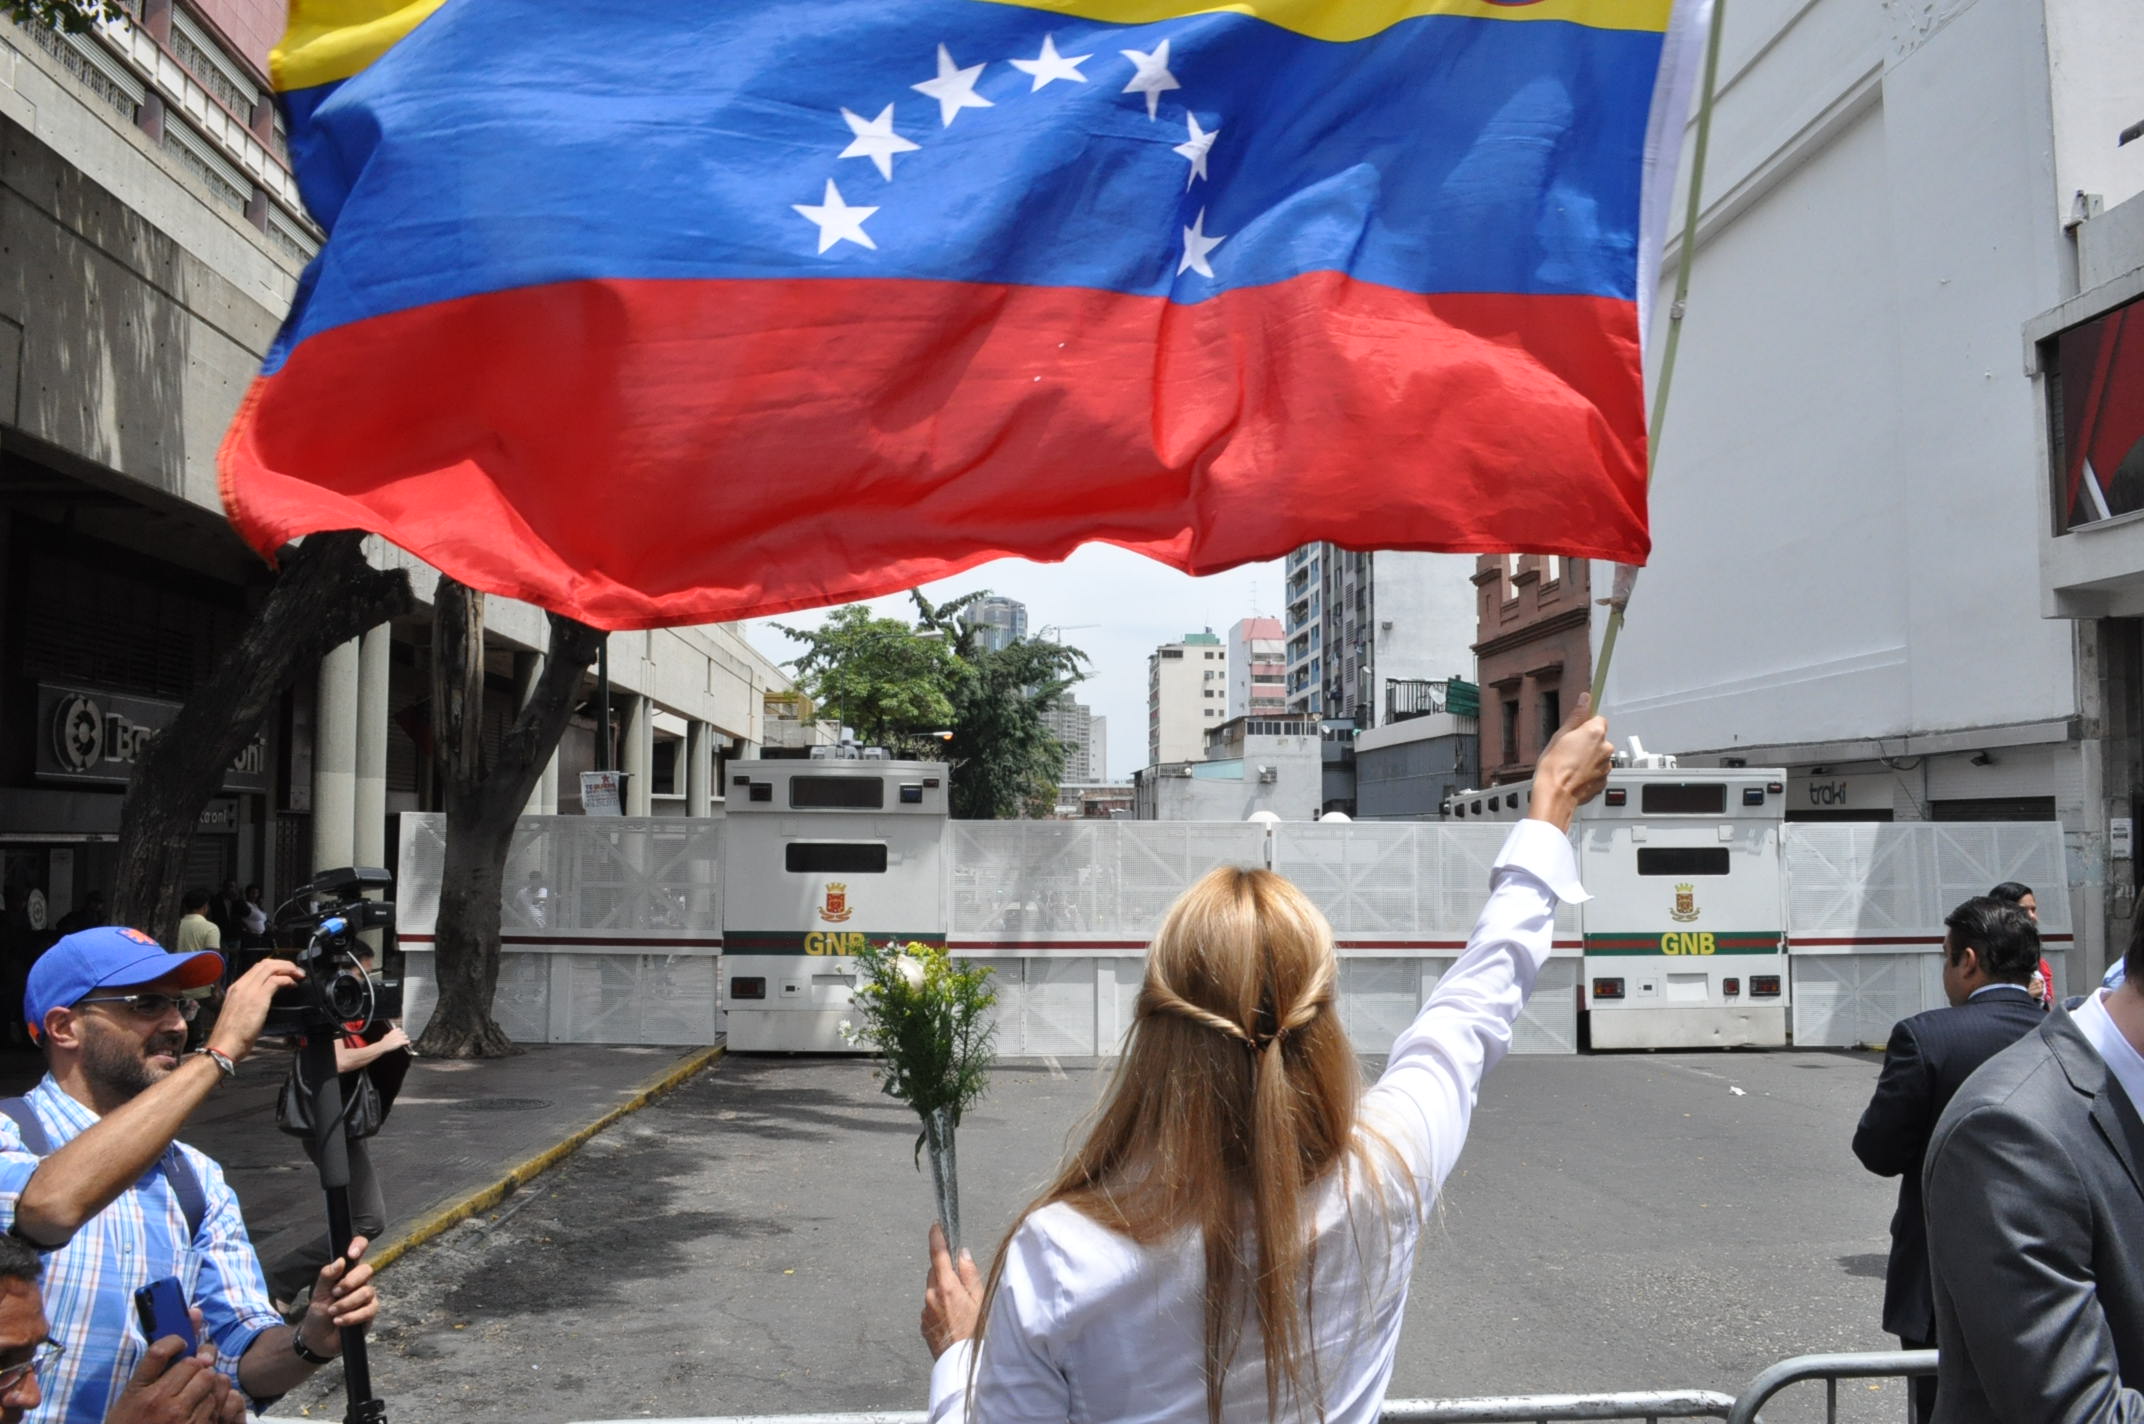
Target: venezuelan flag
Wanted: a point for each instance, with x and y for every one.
(670, 312)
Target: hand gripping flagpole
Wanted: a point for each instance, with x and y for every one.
(1626, 575)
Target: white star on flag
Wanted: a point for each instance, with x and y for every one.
(1196, 148)
(1050, 65)
(1153, 75)
(838, 222)
(954, 88)
(876, 140)
(1197, 247)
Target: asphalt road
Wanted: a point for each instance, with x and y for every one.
(753, 1244)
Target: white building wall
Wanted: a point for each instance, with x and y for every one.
(2093, 51)
(1848, 494)
(1283, 775)
(1178, 710)
(1422, 619)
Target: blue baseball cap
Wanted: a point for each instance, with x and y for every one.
(107, 957)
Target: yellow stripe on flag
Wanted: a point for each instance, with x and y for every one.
(328, 40)
(1345, 20)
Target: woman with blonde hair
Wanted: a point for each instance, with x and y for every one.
(1233, 1238)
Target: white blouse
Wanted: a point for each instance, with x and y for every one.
(1089, 1327)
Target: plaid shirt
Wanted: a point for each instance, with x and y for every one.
(90, 1282)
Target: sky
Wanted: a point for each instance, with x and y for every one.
(1115, 606)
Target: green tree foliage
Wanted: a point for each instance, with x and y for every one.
(71, 15)
(930, 1019)
(897, 686)
(879, 676)
(1007, 764)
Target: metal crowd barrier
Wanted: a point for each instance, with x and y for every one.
(1646, 1405)
(1830, 1369)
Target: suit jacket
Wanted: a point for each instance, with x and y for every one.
(1930, 1056)
(2035, 1215)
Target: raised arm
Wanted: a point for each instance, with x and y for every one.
(88, 1174)
(1425, 1099)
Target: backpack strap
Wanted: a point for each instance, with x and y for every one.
(178, 1172)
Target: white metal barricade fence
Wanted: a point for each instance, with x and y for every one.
(612, 925)
(1865, 908)
(1064, 909)
(1402, 899)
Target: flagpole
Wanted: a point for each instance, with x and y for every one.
(1626, 575)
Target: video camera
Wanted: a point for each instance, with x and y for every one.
(326, 915)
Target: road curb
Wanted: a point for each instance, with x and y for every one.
(484, 1198)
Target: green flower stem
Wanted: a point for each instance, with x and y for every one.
(929, 1019)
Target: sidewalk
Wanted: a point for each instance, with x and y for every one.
(461, 1135)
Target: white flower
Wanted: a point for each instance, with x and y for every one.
(911, 970)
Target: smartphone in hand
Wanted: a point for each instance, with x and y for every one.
(162, 1307)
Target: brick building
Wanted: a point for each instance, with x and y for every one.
(1533, 626)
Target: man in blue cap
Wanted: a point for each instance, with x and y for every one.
(90, 1174)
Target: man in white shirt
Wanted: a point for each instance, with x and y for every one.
(2034, 1190)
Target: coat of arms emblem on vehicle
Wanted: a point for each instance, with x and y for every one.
(1685, 904)
(836, 909)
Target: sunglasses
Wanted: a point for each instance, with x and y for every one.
(41, 1359)
(155, 1006)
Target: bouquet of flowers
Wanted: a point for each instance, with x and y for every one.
(929, 1020)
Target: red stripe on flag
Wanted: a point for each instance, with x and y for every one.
(644, 453)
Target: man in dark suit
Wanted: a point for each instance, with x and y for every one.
(1990, 950)
(2035, 1194)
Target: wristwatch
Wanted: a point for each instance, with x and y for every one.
(297, 1347)
(221, 1059)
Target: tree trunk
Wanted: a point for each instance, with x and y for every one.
(483, 806)
(326, 595)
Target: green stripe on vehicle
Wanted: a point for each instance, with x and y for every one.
(1687, 944)
(817, 942)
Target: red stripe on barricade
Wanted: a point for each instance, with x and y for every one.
(591, 941)
(960, 944)
(1933, 939)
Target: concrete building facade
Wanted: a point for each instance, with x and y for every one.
(1186, 696)
(153, 240)
(1534, 613)
(1072, 723)
(997, 620)
(1250, 764)
(1861, 570)
(1357, 621)
(1257, 668)
(1407, 770)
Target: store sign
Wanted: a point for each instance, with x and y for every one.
(1863, 792)
(99, 737)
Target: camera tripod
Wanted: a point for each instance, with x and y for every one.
(331, 1151)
